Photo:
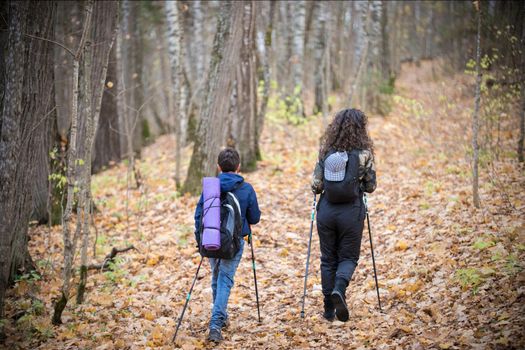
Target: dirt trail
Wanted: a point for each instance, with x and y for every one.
(424, 229)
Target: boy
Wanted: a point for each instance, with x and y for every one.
(223, 270)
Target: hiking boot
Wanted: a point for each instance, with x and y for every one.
(338, 298)
(215, 335)
(226, 324)
(329, 309)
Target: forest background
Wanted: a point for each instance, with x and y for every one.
(112, 112)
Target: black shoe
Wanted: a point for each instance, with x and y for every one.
(338, 298)
(215, 335)
(341, 310)
(329, 309)
(329, 315)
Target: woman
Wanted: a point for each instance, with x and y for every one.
(344, 171)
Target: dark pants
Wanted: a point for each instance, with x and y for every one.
(340, 228)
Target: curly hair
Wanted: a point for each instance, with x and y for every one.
(346, 132)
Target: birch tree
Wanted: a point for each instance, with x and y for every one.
(320, 42)
(211, 133)
(296, 105)
(198, 40)
(175, 44)
(475, 116)
(264, 45)
(361, 55)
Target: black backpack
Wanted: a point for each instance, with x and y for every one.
(231, 229)
(347, 190)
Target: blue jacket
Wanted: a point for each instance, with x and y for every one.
(245, 195)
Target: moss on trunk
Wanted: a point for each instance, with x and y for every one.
(59, 308)
(82, 284)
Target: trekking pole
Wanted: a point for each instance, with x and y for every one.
(187, 301)
(372, 248)
(308, 254)
(255, 277)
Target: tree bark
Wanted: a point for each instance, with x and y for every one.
(90, 70)
(72, 174)
(296, 104)
(247, 92)
(475, 116)
(175, 44)
(522, 114)
(264, 48)
(96, 65)
(319, 37)
(212, 129)
(107, 140)
(26, 114)
(361, 52)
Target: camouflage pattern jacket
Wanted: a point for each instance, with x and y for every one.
(367, 173)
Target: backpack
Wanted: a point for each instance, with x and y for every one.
(347, 190)
(230, 229)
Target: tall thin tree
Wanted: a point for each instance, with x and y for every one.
(475, 116)
(175, 44)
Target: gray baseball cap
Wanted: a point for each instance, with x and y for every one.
(335, 166)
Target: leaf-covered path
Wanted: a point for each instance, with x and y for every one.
(450, 276)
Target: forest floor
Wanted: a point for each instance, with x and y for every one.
(451, 276)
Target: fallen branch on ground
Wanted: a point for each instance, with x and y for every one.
(109, 258)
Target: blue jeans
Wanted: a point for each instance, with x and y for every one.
(223, 272)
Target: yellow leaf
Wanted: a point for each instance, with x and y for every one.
(413, 287)
(406, 329)
(157, 334)
(148, 315)
(445, 345)
(152, 261)
(120, 343)
(401, 245)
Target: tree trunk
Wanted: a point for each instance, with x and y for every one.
(130, 95)
(72, 174)
(247, 92)
(295, 104)
(175, 43)
(107, 140)
(140, 127)
(211, 134)
(26, 113)
(96, 57)
(475, 117)
(198, 40)
(522, 114)
(361, 52)
(264, 48)
(319, 37)
(522, 125)
(90, 69)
